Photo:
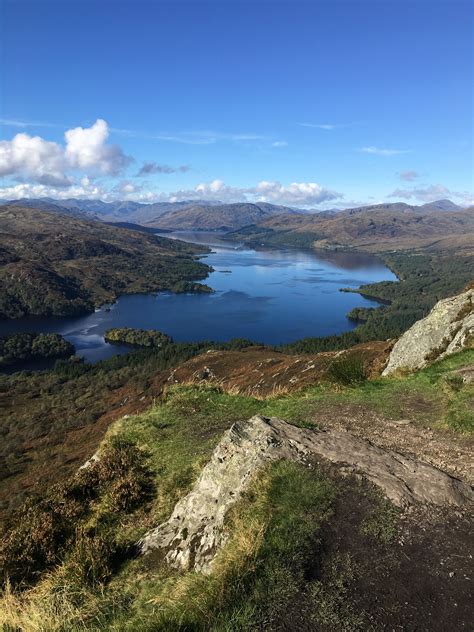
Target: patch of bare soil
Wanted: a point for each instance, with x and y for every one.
(416, 579)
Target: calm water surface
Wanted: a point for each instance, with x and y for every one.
(271, 296)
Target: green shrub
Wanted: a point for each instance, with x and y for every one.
(454, 381)
(35, 543)
(46, 529)
(123, 474)
(348, 370)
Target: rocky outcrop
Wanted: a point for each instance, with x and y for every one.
(193, 534)
(448, 328)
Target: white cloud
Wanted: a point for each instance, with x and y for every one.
(378, 151)
(34, 157)
(86, 148)
(126, 188)
(325, 126)
(86, 189)
(216, 186)
(280, 143)
(296, 193)
(299, 193)
(48, 163)
(433, 192)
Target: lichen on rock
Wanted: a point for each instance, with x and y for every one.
(447, 329)
(194, 533)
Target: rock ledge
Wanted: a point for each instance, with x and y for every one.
(193, 534)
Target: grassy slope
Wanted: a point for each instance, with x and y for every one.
(65, 265)
(263, 571)
(51, 421)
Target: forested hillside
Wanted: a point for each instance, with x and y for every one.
(53, 264)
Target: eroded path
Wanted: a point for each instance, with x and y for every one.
(406, 415)
(195, 531)
(442, 448)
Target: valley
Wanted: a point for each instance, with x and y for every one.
(236, 316)
(267, 296)
(98, 454)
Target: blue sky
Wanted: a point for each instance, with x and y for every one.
(319, 104)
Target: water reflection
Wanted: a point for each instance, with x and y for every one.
(272, 296)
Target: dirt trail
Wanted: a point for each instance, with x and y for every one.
(195, 531)
(442, 448)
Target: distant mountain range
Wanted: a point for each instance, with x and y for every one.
(205, 214)
(219, 217)
(108, 211)
(385, 227)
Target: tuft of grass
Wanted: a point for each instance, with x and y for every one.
(348, 370)
(382, 522)
(333, 609)
(92, 559)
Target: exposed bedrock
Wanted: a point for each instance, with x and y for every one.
(193, 534)
(448, 328)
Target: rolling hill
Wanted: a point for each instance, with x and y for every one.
(219, 217)
(374, 229)
(52, 206)
(67, 267)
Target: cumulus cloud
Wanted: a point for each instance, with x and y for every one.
(408, 175)
(299, 193)
(86, 148)
(149, 168)
(296, 193)
(379, 151)
(85, 189)
(34, 157)
(48, 163)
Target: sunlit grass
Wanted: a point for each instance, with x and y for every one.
(270, 525)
